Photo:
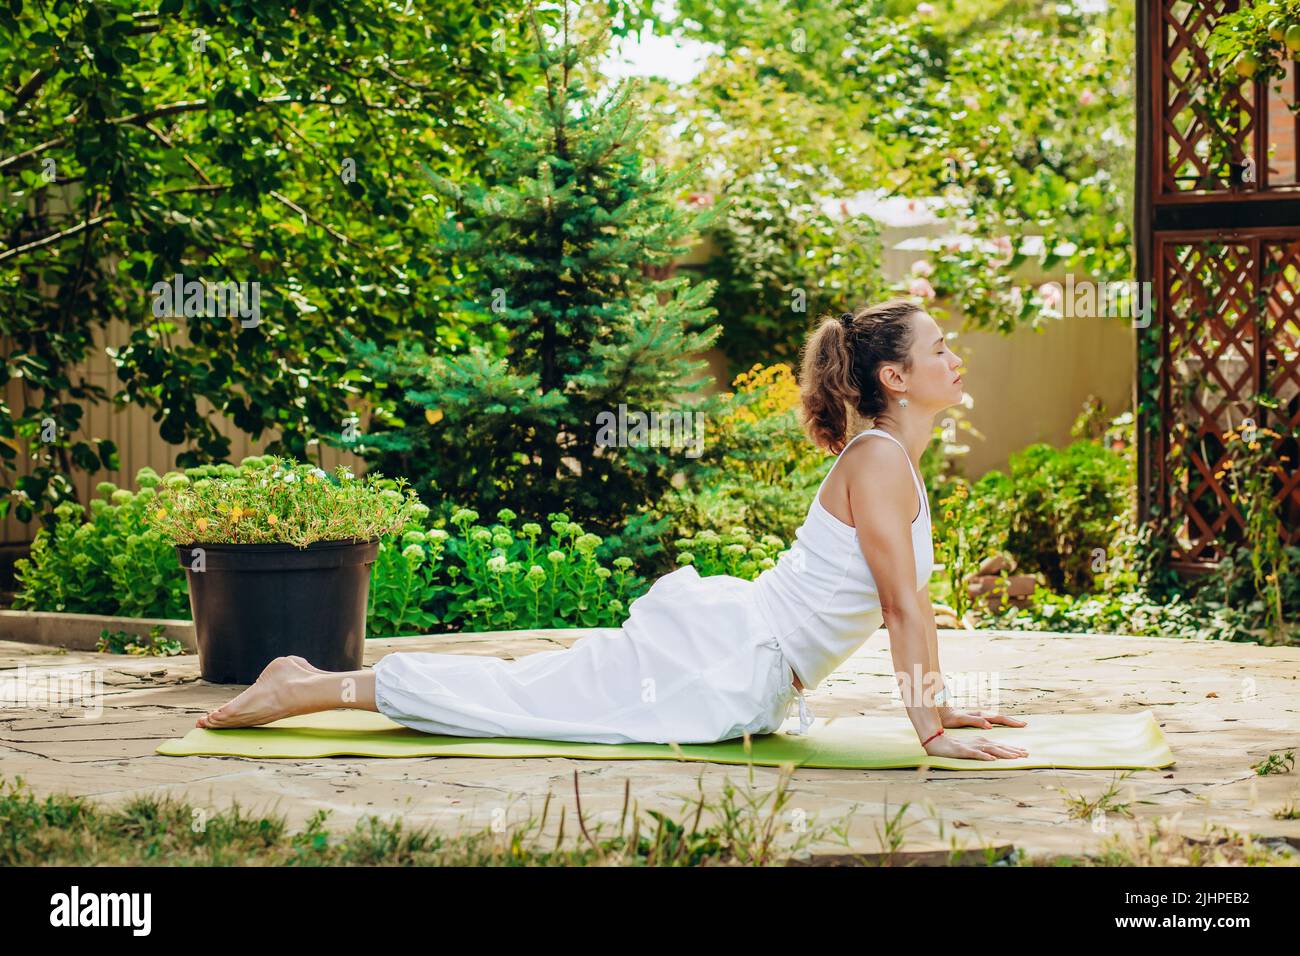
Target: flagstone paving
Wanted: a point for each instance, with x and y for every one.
(1222, 707)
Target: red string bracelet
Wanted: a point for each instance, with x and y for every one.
(931, 737)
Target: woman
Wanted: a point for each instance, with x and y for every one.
(707, 659)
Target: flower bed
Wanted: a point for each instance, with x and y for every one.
(122, 560)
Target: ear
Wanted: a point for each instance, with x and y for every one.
(890, 376)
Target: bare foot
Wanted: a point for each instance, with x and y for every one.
(302, 661)
(270, 698)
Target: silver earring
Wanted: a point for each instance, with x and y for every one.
(902, 403)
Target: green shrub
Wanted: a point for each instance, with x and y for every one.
(1058, 512)
(759, 469)
(504, 580)
(115, 563)
(969, 529)
(1136, 612)
(404, 584)
(735, 552)
(124, 642)
(471, 578)
(271, 499)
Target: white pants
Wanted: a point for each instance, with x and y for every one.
(693, 663)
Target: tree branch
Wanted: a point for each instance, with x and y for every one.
(190, 106)
(31, 87)
(55, 237)
(170, 145)
(39, 78)
(307, 217)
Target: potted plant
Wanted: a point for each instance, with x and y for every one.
(278, 555)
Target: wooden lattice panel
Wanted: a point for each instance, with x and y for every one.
(1217, 233)
(1210, 346)
(1191, 157)
(1281, 336)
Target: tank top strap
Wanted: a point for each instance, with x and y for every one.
(920, 485)
(839, 456)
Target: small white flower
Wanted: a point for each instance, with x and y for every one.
(319, 473)
(290, 477)
(497, 563)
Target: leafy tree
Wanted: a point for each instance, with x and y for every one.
(1018, 114)
(759, 471)
(785, 249)
(565, 236)
(266, 141)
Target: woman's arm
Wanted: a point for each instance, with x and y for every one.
(932, 642)
(949, 715)
(883, 499)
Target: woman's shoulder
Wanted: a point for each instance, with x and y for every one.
(884, 467)
(874, 448)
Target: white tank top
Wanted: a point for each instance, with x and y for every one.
(819, 598)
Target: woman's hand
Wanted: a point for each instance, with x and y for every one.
(973, 718)
(972, 748)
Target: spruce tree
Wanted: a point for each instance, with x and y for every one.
(558, 250)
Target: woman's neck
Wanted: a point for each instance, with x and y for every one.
(914, 435)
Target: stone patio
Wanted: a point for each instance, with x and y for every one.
(1222, 707)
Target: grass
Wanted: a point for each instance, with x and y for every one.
(123, 642)
(1160, 843)
(1080, 807)
(153, 830)
(1288, 811)
(745, 828)
(1275, 763)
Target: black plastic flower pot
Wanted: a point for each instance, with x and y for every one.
(253, 603)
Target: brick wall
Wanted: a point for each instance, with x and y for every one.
(1282, 129)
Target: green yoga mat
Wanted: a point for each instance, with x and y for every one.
(1086, 741)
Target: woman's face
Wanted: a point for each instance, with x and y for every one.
(935, 380)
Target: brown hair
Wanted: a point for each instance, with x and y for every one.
(839, 364)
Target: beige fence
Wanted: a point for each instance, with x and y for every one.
(133, 429)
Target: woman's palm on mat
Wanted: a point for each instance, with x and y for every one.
(949, 717)
(976, 748)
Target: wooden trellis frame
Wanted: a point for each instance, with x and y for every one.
(1220, 243)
